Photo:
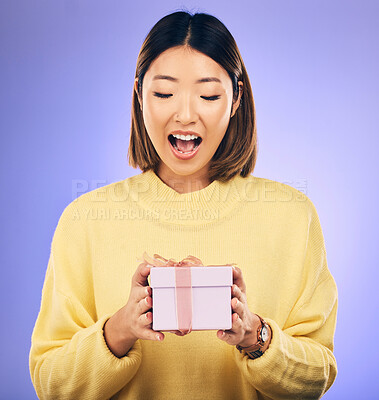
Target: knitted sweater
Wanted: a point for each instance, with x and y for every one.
(271, 230)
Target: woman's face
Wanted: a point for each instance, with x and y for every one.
(177, 97)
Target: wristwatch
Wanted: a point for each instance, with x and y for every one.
(254, 351)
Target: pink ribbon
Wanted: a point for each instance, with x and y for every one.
(183, 285)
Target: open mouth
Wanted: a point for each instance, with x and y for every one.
(184, 146)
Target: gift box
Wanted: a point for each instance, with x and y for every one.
(191, 297)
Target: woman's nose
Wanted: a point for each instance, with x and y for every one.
(186, 110)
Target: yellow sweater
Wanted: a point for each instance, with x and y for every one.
(271, 230)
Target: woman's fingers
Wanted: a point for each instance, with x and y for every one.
(142, 296)
(144, 305)
(238, 279)
(140, 275)
(145, 332)
(237, 292)
(238, 307)
(144, 329)
(136, 314)
(236, 324)
(148, 334)
(232, 336)
(140, 292)
(146, 319)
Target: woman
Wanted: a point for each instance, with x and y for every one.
(194, 137)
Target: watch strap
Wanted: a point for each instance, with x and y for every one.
(255, 354)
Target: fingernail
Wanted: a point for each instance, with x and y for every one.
(158, 337)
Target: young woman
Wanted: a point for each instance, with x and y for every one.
(194, 137)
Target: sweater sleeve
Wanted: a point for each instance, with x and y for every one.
(69, 358)
(299, 362)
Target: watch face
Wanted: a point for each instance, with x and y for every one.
(264, 333)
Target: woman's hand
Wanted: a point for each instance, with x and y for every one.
(134, 320)
(244, 322)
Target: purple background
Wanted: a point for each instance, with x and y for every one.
(66, 79)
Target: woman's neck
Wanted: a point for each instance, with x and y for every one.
(184, 183)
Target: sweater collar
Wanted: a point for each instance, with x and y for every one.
(203, 206)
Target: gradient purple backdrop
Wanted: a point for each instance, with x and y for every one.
(66, 80)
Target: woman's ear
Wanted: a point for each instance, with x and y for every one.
(136, 89)
(237, 103)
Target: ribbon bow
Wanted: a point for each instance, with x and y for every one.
(159, 261)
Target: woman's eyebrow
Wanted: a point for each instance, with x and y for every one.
(172, 79)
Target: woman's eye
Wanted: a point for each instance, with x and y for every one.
(212, 98)
(162, 96)
(166, 96)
